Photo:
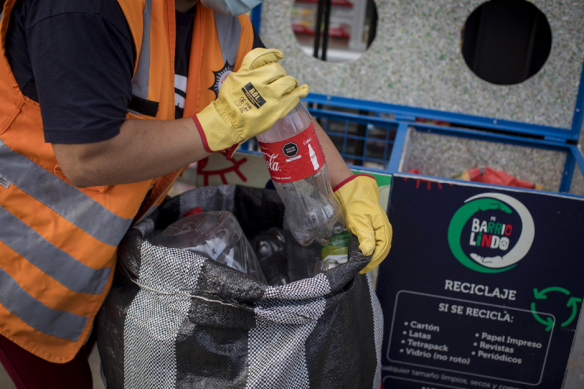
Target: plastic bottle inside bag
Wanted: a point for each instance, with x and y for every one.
(216, 235)
(283, 259)
(296, 163)
(270, 247)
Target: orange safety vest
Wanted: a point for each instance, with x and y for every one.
(58, 243)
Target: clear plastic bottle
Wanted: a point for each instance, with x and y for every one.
(216, 235)
(296, 163)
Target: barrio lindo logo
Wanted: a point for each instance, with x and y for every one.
(491, 232)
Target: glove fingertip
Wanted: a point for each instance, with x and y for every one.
(367, 249)
(279, 54)
(303, 90)
(259, 57)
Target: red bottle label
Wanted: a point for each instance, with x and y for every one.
(294, 159)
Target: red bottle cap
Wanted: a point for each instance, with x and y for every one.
(193, 211)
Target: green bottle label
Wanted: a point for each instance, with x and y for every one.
(338, 249)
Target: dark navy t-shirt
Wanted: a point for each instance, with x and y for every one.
(184, 33)
(76, 58)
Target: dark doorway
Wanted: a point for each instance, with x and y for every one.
(506, 42)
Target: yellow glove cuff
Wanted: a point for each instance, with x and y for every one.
(223, 134)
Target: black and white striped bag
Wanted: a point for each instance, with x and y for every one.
(175, 319)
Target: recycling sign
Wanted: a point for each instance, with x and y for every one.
(482, 287)
(572, 306)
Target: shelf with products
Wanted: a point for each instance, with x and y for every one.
(334, 54)
(338, 3)
(304, 19)
(341, 32)
(346, 26)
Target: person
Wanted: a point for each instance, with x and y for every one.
(102, 104)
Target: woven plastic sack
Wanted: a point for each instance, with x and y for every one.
(174, 319)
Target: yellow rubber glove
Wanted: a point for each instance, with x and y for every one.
(250, 101)
(364, 217)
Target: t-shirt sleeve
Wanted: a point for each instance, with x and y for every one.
(257, 42)
(83, 65)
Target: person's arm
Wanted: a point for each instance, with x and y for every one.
(143, 149)
(146, 149)
(338, 169)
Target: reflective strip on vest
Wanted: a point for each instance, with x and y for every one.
(66, 200)
(62, 324)
(53, 261)
(141, 80)
(229, 32)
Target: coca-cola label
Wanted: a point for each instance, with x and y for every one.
(294, 159)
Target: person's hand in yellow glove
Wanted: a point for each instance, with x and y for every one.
(250, 101)
(364, 217)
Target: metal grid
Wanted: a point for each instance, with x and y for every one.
(362, 140)
(372, 136)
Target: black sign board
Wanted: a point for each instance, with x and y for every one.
(482, 287)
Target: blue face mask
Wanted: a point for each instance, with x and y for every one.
(231, 7)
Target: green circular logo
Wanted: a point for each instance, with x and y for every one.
(489, 234)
